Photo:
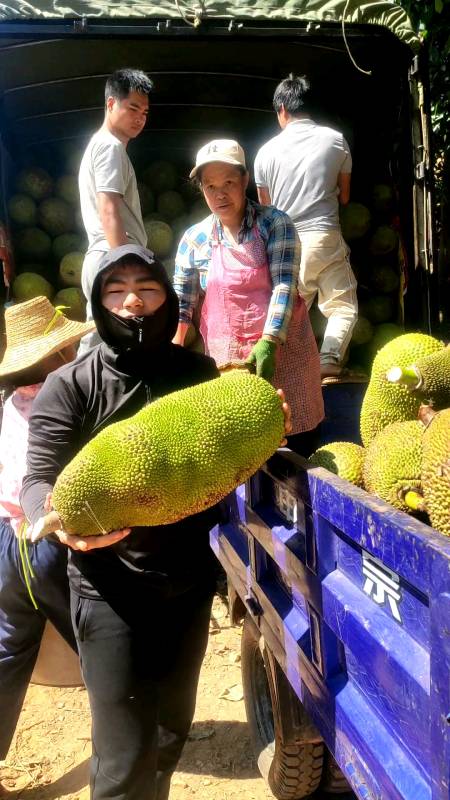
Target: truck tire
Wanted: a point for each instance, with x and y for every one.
(288, 748)
(333, 780)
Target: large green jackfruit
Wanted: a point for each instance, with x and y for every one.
(384, 333)
(362, 332)
(429, 376)
(383, 198)
(177, 456)
(55, 216)
(383, 241)
(436, 470)
(35, 182)
(160, 176)
(393, 462)
(159, 237)
(343, 458)
(385, 402)
(355, 221)
(22, 210)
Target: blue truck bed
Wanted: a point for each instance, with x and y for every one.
(353, 600)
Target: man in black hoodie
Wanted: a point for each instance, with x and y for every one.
(141, 599)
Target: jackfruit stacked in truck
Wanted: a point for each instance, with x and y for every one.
(436, 467)
(43, 216)
(48, 233)
(407, 462)
(384, 402)
(428, 377)
(345, 459)
(393, 463)
(178, 456)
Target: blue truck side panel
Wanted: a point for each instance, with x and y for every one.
(353, 599)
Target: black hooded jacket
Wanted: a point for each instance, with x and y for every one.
(135, 364)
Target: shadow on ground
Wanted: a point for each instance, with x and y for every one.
(69, 783)
(219, 748)
(227, 753)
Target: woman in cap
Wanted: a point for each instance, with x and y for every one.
(39, 339)
(242, 263)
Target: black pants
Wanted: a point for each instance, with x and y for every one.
(141, 665)
(21, 626)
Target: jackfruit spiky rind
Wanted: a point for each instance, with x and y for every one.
(176, 457)
(434, 372)
(436, 471)
(393, 462)
(345, 459)
(384, 402)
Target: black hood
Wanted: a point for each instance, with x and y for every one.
(152, 334)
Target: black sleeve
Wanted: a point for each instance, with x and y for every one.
(53, 440)
(201, 367)
(210, 369)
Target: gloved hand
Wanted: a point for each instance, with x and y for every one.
(262, 357)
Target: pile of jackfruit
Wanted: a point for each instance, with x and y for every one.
(48, 236)
(405, 431)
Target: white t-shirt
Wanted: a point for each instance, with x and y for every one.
(300, 168)
(106, 167)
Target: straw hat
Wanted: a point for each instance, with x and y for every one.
(36, 329)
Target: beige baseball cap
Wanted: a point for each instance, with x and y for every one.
(226, 150)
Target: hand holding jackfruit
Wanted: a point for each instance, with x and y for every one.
(176, 457)
(384, 402)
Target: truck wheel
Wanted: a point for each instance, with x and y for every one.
(288, 748)
(333, 780)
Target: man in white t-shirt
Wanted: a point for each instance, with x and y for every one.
(109, 195)
(306, 172)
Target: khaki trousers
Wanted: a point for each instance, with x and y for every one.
(325, 271)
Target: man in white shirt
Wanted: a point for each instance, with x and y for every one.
(306, 171)
(108, 188)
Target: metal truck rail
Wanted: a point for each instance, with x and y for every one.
(351, 599)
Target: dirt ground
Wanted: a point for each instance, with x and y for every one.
(48, 758)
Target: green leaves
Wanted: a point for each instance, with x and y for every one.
(431, 19)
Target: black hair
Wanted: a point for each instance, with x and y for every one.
(123, 81)
(133, 261)
(294, 94)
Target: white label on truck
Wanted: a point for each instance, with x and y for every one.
(382, 585)
(286, 503)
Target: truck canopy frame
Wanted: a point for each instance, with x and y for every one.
(351, 12)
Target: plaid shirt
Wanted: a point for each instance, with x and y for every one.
(283, 254)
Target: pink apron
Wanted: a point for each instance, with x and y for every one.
(233, 317)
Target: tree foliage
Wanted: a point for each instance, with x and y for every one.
(432, 20)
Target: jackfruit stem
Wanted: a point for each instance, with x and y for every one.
(415, 501)
(405, 376)
(426, 414)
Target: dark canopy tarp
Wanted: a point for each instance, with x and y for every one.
(384, 12)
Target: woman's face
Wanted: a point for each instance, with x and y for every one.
(224, 188)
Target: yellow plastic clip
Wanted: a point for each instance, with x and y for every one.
(58, 313)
